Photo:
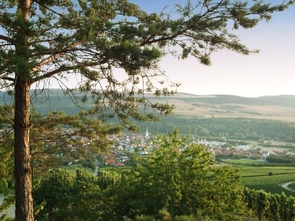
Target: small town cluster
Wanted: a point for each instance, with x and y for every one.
(141, 144)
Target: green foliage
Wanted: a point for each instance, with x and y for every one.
(61, 196)
(180, 184)
(269, 206)
(165, 185)
(108, 178)
(6, 161)
(8, 200)
(6, 138)
(71, 169)
(232, 128)
(57, 138)
(258, 178)
(281, 159)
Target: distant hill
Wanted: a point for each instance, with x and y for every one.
(51, 100)
(266, 107)
(281, 100)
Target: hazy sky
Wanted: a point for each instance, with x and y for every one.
(270, 72)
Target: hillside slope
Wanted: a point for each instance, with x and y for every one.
(266, 107)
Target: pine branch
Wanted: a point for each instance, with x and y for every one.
(55, 56)
(5, 38)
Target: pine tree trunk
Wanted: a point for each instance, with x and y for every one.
(22, 153)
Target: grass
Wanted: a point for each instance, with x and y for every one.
(120, 168)
(72, 168)
(257, 174)
(244, 161)
(268, 178)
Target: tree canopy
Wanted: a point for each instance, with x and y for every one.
(182, 179)
(179, 183)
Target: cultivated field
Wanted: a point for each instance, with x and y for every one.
(257, 174)
(272, 108)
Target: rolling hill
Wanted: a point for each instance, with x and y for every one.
(266, 107)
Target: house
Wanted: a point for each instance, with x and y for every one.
(119, 164)
(123, 158)
(120, 147)
(110, 162)
(255, 155)
(216, 152)
(226, 152)
(239, 153)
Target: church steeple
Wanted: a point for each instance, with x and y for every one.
(147, 132)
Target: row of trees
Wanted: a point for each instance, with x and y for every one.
(231, 128)
(281, 159)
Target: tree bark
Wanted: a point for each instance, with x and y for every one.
(22, 153)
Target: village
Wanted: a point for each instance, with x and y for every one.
(141, 144)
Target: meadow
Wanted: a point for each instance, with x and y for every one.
(72, 169)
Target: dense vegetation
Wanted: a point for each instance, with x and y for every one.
(230, 128)
(61, 196)
(180, 193)
(167, 185)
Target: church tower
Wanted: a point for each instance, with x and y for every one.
(147, 133)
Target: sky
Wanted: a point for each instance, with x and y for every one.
(270, 72)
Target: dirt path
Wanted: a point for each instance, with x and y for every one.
(285, 185)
